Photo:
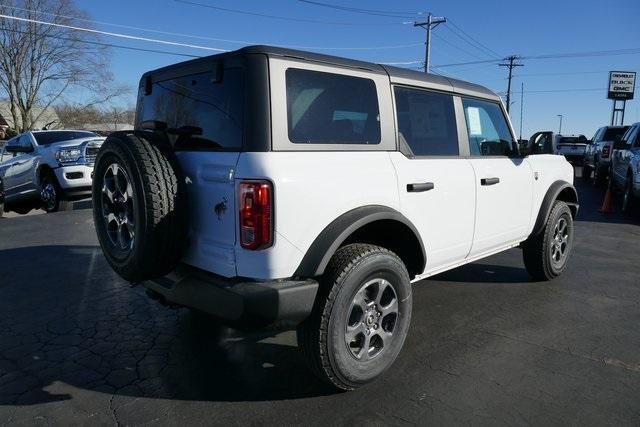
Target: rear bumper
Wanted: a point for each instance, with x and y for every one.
(282, 303)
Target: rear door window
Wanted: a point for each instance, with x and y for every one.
(200, 111)
(327, 108)
(426, 122)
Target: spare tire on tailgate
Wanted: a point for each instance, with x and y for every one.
(139, 206)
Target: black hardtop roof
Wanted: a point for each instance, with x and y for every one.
(393, 72)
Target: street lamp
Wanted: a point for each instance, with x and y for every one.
(560, 128)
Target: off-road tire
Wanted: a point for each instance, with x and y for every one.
(58, 204)
(537, 250)
(158, 206)
(322, 335)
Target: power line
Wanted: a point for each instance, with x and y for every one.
(118, 46)
(388, 13)
(629, 51)
(282, 18)
(108, 33)
(439, 37)
(483, 46)
(193, 36)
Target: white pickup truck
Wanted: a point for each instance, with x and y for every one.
(48, 169)
(274, 186)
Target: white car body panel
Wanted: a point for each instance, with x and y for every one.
(311, 189)
(451, 202)
(503, 210)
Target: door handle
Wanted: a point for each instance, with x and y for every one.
(420, 187)
(489, 181)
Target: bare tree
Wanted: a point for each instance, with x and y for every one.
(78, 116)
(39, 63)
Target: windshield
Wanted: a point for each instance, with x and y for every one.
(611, 133)
(46, 138)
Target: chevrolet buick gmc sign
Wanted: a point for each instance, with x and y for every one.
(621, 84)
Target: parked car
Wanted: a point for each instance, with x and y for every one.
(572, 147)
(48, 169)
(597, 155)
(625, 168)
(274, 186)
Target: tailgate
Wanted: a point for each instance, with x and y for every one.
(209, 178)
(571, 149)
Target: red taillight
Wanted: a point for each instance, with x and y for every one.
(256, 214)
(606, 150)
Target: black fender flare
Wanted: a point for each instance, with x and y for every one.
(570, 197)
(329, 240)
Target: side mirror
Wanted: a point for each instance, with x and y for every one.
(15, 149)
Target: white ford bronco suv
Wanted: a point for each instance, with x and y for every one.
(269, 186)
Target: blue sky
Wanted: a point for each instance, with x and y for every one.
(524, 28)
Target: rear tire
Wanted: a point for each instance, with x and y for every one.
(546, 254)
(360, 318)
(138, 207)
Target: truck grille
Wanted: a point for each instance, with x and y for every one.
(91, 151)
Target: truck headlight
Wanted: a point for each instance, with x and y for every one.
(68, 155)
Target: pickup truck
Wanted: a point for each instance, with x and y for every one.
(48, 169)
(625, 168)
(598, 154)
(572, 147)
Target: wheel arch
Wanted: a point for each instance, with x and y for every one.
(43, 170)
(559, 190)
(374, 224)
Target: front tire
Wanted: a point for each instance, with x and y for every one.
(361, 316)
(51, 195)
(546, 254)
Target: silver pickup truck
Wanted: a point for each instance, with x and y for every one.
(47, 169)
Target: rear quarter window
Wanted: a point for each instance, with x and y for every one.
(327, 108)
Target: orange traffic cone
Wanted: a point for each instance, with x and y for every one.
(607, 203)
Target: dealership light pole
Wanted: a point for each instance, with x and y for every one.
(560, 128)
(428, 25)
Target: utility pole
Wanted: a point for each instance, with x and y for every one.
(428, 25)
(521, 105)
(512, 64)
(560, 128)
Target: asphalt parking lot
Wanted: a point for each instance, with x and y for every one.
(486, 346)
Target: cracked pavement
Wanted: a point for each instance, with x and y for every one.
(487, 346)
